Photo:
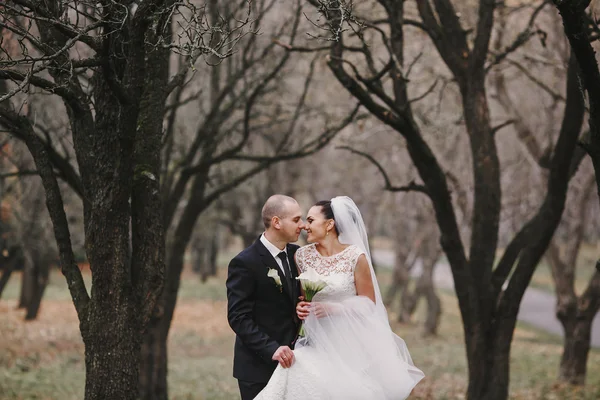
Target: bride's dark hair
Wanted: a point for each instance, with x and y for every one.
(327, 212)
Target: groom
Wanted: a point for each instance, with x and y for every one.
(260, 307)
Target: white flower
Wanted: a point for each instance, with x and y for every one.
(274, 275)
(312, 282)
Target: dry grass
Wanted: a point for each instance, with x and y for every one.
(43, 359)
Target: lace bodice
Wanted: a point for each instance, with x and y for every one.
(338, 270)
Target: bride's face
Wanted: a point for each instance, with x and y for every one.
(316, 225)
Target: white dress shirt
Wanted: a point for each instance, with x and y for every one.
(274, 251)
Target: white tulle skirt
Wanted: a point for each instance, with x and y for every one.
(349, 354)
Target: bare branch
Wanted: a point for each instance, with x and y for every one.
(27, 78)
(55, 206)
(522, 38)
(537, 81)
(412, 186)
(497, 128)
(18, 174)
(426, 93)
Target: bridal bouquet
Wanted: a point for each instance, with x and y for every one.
(312, 283)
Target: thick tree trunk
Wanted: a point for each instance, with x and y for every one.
(573, 364)
(112, 348)
(153, 361)
(490, 350)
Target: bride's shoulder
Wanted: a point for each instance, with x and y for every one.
(304, 249)
(355, 250)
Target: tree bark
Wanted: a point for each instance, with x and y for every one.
(210, 264)
(573, 363)
(39, 281)
(112, 348)
(424, 288)
(153, 362)
(8, 267)
(27, 284)
(400, 277)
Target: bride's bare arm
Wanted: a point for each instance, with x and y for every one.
(363, 280)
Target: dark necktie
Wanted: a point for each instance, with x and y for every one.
(288, 273)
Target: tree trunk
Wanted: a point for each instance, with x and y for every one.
(424, 288)
(39, 282)
(248, 239)
(400, 278)
(7, 271)
(434, 305)
(404, 263)
(573, 364)
(153, 374)
(27, 284)
(154, 355)
(9, 265)
(490, 351)
(112, 348)
(211, 262)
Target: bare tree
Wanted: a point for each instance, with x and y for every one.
(489, 294)
(94, 57)
(34, 234)
(11, 253)
(241, 126)
(428, 253)
(574, 312)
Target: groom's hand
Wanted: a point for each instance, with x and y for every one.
(284, 355)
(303, 309)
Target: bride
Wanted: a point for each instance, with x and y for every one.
(349, 350)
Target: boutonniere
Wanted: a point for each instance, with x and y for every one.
(275, 276)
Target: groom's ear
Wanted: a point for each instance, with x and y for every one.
(276, 222)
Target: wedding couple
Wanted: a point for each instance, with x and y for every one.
(348, 350)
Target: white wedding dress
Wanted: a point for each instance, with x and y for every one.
(349, 354)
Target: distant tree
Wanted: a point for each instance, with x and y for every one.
(571, 309)
(576, 313)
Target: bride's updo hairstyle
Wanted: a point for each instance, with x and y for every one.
(327, 212)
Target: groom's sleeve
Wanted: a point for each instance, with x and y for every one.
(240, 303)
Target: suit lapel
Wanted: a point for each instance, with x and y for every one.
(269, 261)
(294, 270)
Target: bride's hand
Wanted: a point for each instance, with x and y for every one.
(303, 309)
(319, 310)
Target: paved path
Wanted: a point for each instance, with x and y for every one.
(537, 306)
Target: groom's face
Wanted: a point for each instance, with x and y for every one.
(291, 223)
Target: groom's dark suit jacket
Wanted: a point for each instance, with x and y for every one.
(262, 315)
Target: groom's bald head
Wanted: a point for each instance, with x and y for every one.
(277, 205)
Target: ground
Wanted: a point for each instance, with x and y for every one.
(43, 359)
